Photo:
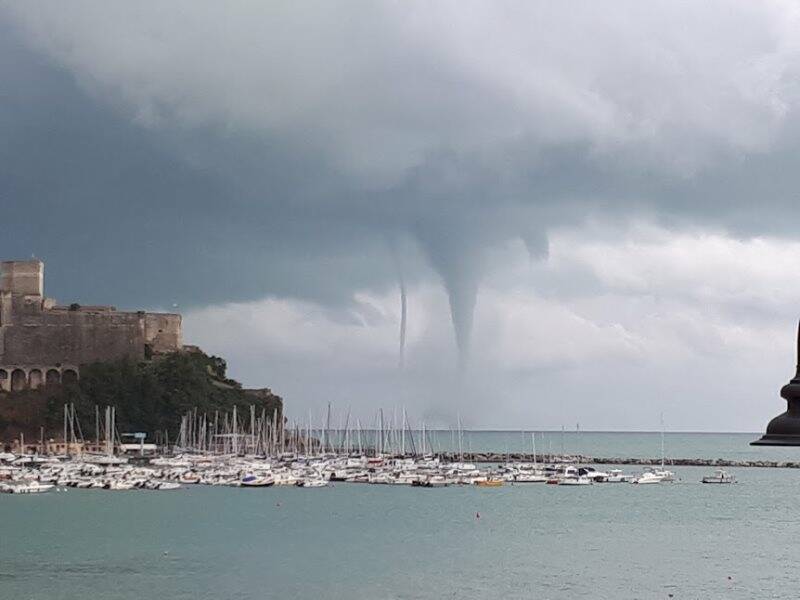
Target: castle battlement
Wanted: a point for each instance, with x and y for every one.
(43, 342)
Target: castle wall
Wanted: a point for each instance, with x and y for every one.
(37, 337)
(52, 337)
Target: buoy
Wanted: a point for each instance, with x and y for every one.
(477, 515)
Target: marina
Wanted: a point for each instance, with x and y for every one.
(257, 452)
(26, 474)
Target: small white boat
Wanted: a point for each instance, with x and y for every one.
(167, 485)
(719, 476)
(189, 477)
(30, 487)
(580, 480)
(646, 478)
(119, 485)
(593, 474)
(523, 477)
(256, 481)
(314, 482)
(105, 459)
(617, 476)
(434, 481)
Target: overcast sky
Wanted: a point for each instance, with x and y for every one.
(593, 209)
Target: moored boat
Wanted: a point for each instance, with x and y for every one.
(253, 481)
(580, 480)
(617, 476)
(434, 481)
(489, 483)
(719, 476)
(28, 487)
(647, 477)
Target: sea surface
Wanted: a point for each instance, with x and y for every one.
(371, 542)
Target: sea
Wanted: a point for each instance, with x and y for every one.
(372, 542)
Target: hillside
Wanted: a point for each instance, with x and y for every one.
(149, 396)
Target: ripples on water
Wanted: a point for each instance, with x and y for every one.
(367, 542)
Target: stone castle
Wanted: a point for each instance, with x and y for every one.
(43, 342)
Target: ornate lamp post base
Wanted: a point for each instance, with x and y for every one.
(784, 430)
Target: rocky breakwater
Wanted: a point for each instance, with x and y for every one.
(496, 457)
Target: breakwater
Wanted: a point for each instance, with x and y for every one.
(497, 457)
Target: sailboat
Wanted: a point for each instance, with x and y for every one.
(530, 473)
(663, 473)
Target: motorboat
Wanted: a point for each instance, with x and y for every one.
(29, 487)
(105, 459)
(528, 477)
(189, 477)
(434, 481)
(593, 474)
(252, 481)
(285, 478)
(166, 486)
(473, 478)
(617, 476)
(561, 473)
(646, 478)
(118, 485)
(579, 480)
(314, 482)
(489, 483)
(719, 476)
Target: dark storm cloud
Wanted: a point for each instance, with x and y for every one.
(109, 204)
(285, 153)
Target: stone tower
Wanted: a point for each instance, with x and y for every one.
(22, 277)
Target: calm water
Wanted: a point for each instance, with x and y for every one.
(375, 542)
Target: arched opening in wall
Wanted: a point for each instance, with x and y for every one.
(35, 378)
(4, 383)
(69, 376)
(53, 377)
(18, 380)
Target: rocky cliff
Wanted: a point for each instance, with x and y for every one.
(149, 396)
